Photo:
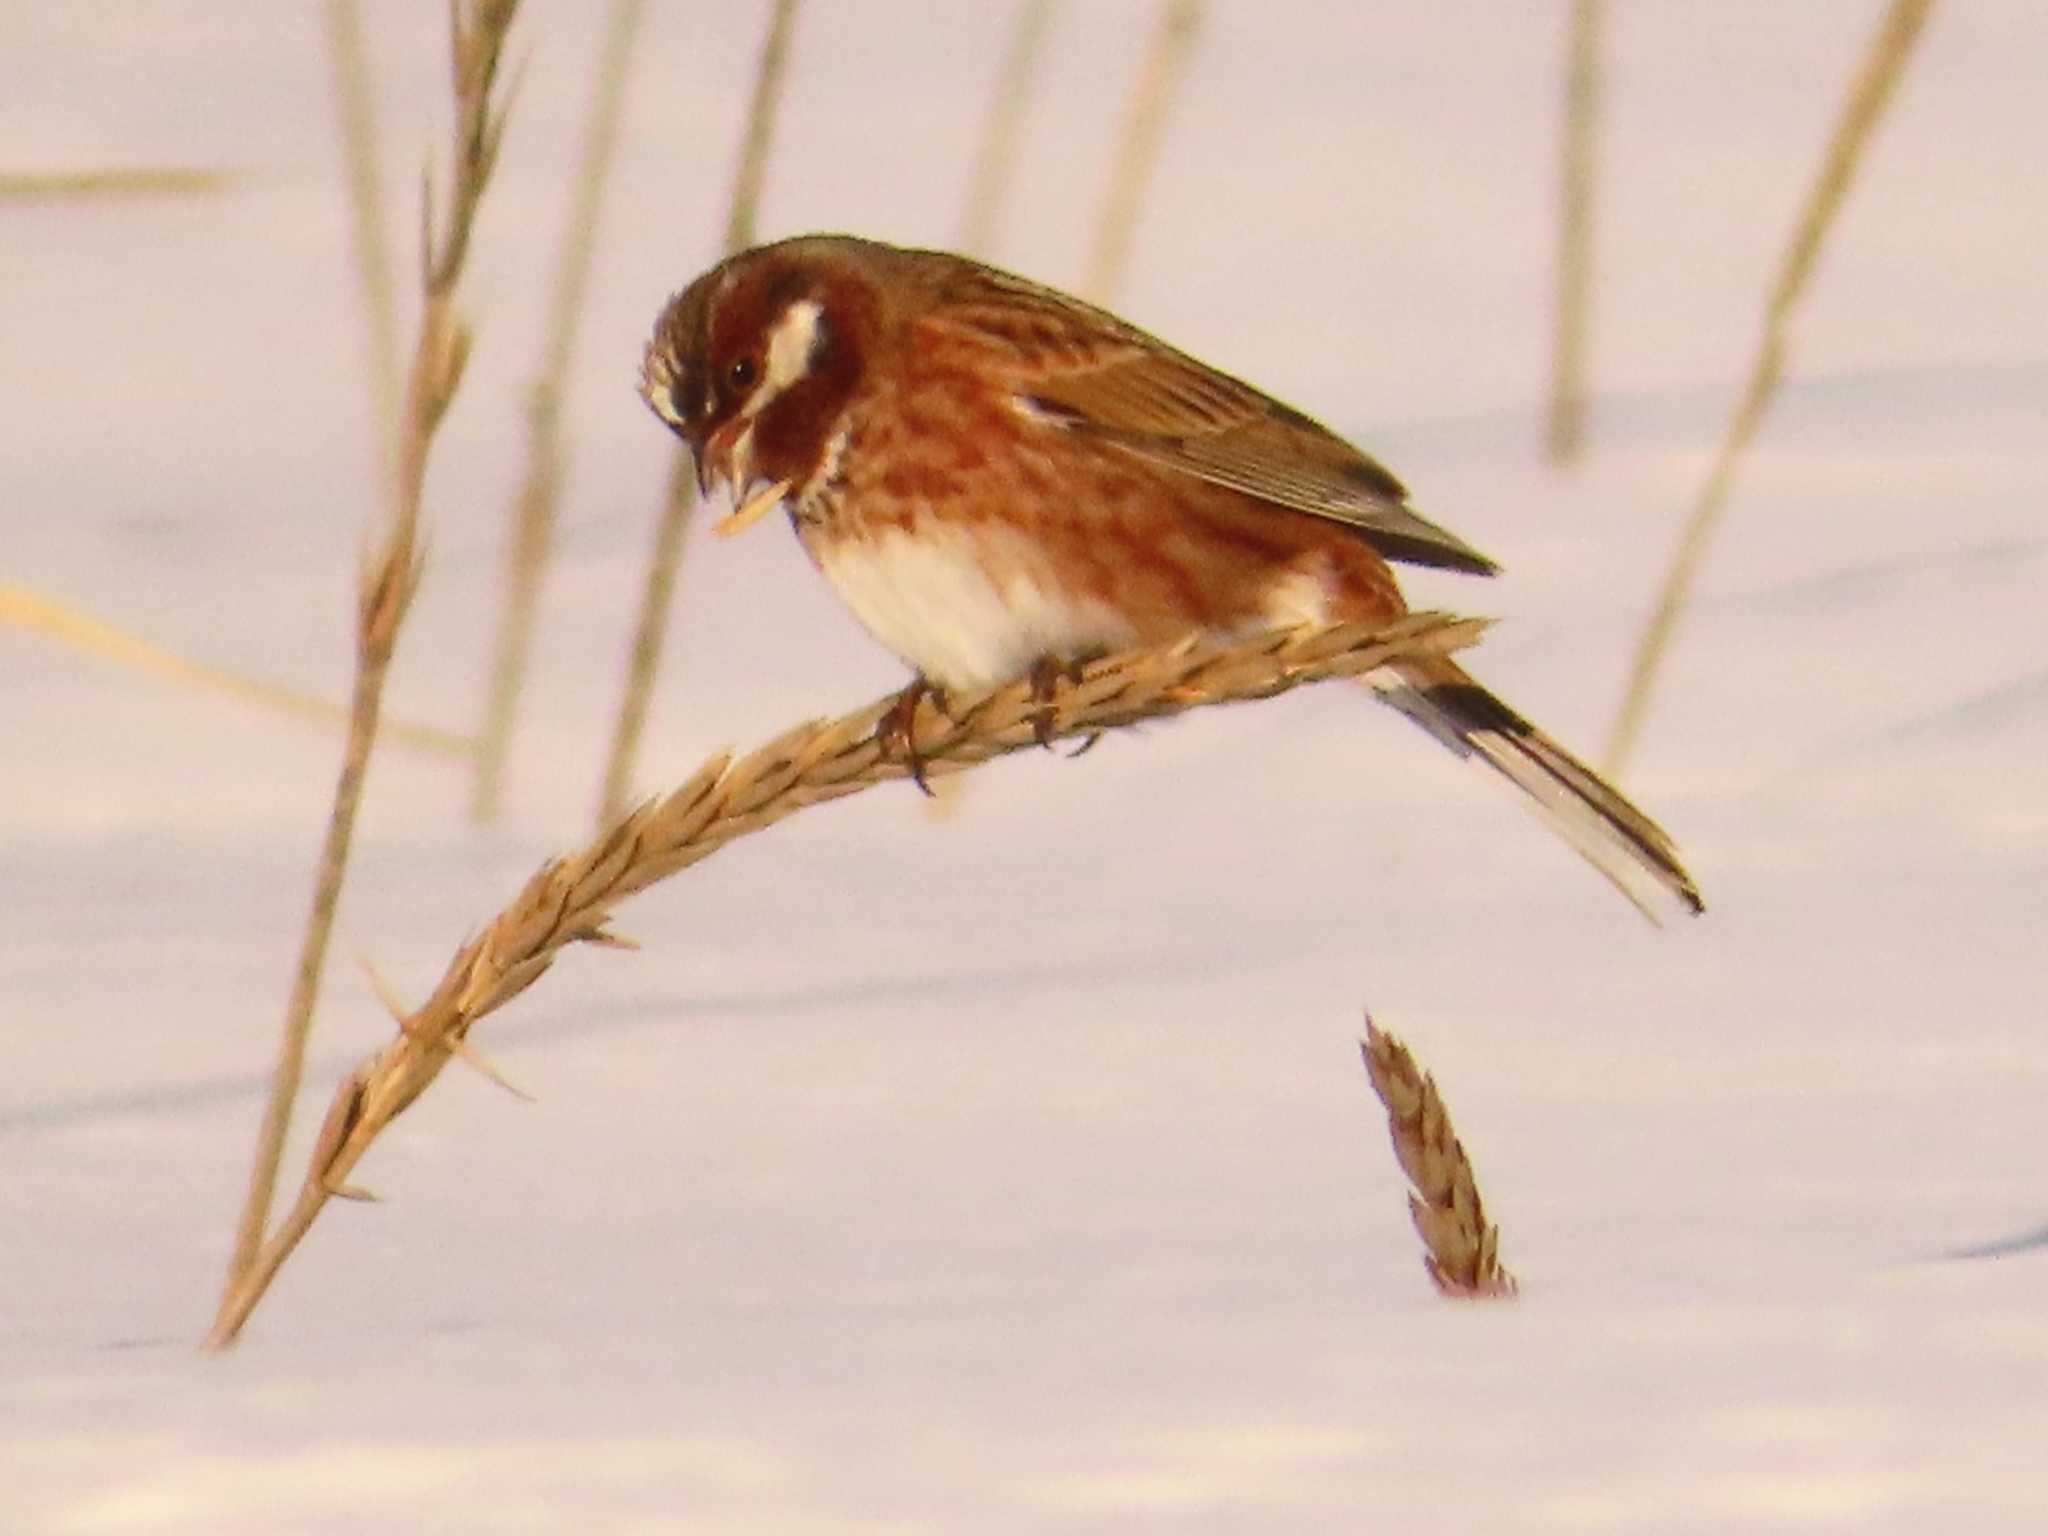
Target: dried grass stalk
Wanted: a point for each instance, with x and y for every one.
(1565, 434)
(996, 161)
(1165, 63)
(1462, 1249)
(80, 631)
(118, 181)
(391, 574)
(353, 100)
(533, 519)
(650, 629)
(1869, 95)
(570, 899)
(650, 633)
(751, 175)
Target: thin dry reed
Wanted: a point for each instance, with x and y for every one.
(1869, 95)
(679, 499)
(650, 634)
(117, 181)
(372, 249)
(1462, 1254)
(570, 899)
(1165, 63)
(1565, 434)
(533, 519)
(743, 214)
(391, 573)
(80, 631)
(995, 164)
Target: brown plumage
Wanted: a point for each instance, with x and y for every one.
(995, 475)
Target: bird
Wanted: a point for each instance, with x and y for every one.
(999, 478)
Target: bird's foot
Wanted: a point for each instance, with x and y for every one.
(896, 731)
(1046, 674)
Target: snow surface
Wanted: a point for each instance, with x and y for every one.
(1017, 1173)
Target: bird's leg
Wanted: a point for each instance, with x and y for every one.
(1046, 674)
(896, 731)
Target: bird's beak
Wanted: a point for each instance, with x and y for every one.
(727, 458)
(720, 456)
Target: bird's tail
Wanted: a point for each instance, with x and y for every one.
(1585, 810)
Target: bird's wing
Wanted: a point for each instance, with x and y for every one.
(1095, 375)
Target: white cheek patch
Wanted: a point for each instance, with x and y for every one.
(790, 344)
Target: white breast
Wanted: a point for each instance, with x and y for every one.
(967, 608)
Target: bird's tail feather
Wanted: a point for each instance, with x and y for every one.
(1585, 810)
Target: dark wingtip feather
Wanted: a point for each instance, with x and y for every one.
(1440, 550)
(1600, 822)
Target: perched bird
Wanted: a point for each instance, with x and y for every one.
(998, 478)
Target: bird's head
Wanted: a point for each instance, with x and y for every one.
(755, 363)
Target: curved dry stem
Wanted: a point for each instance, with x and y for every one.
(112, 181)
(390, 574)
(650, 637)
(1463, 1250)
(679, 500)
(80, 631)
(354, 102)
(533, 519)
(1565, 433)
(994, 163)
(751, 174)
(570, 899)
(1172, 42)
(1871, 93)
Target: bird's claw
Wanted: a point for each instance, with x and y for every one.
(896, 731)
(1046, 674)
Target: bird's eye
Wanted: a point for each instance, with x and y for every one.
(741, 373)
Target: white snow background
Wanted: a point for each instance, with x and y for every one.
(1018, 1173)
